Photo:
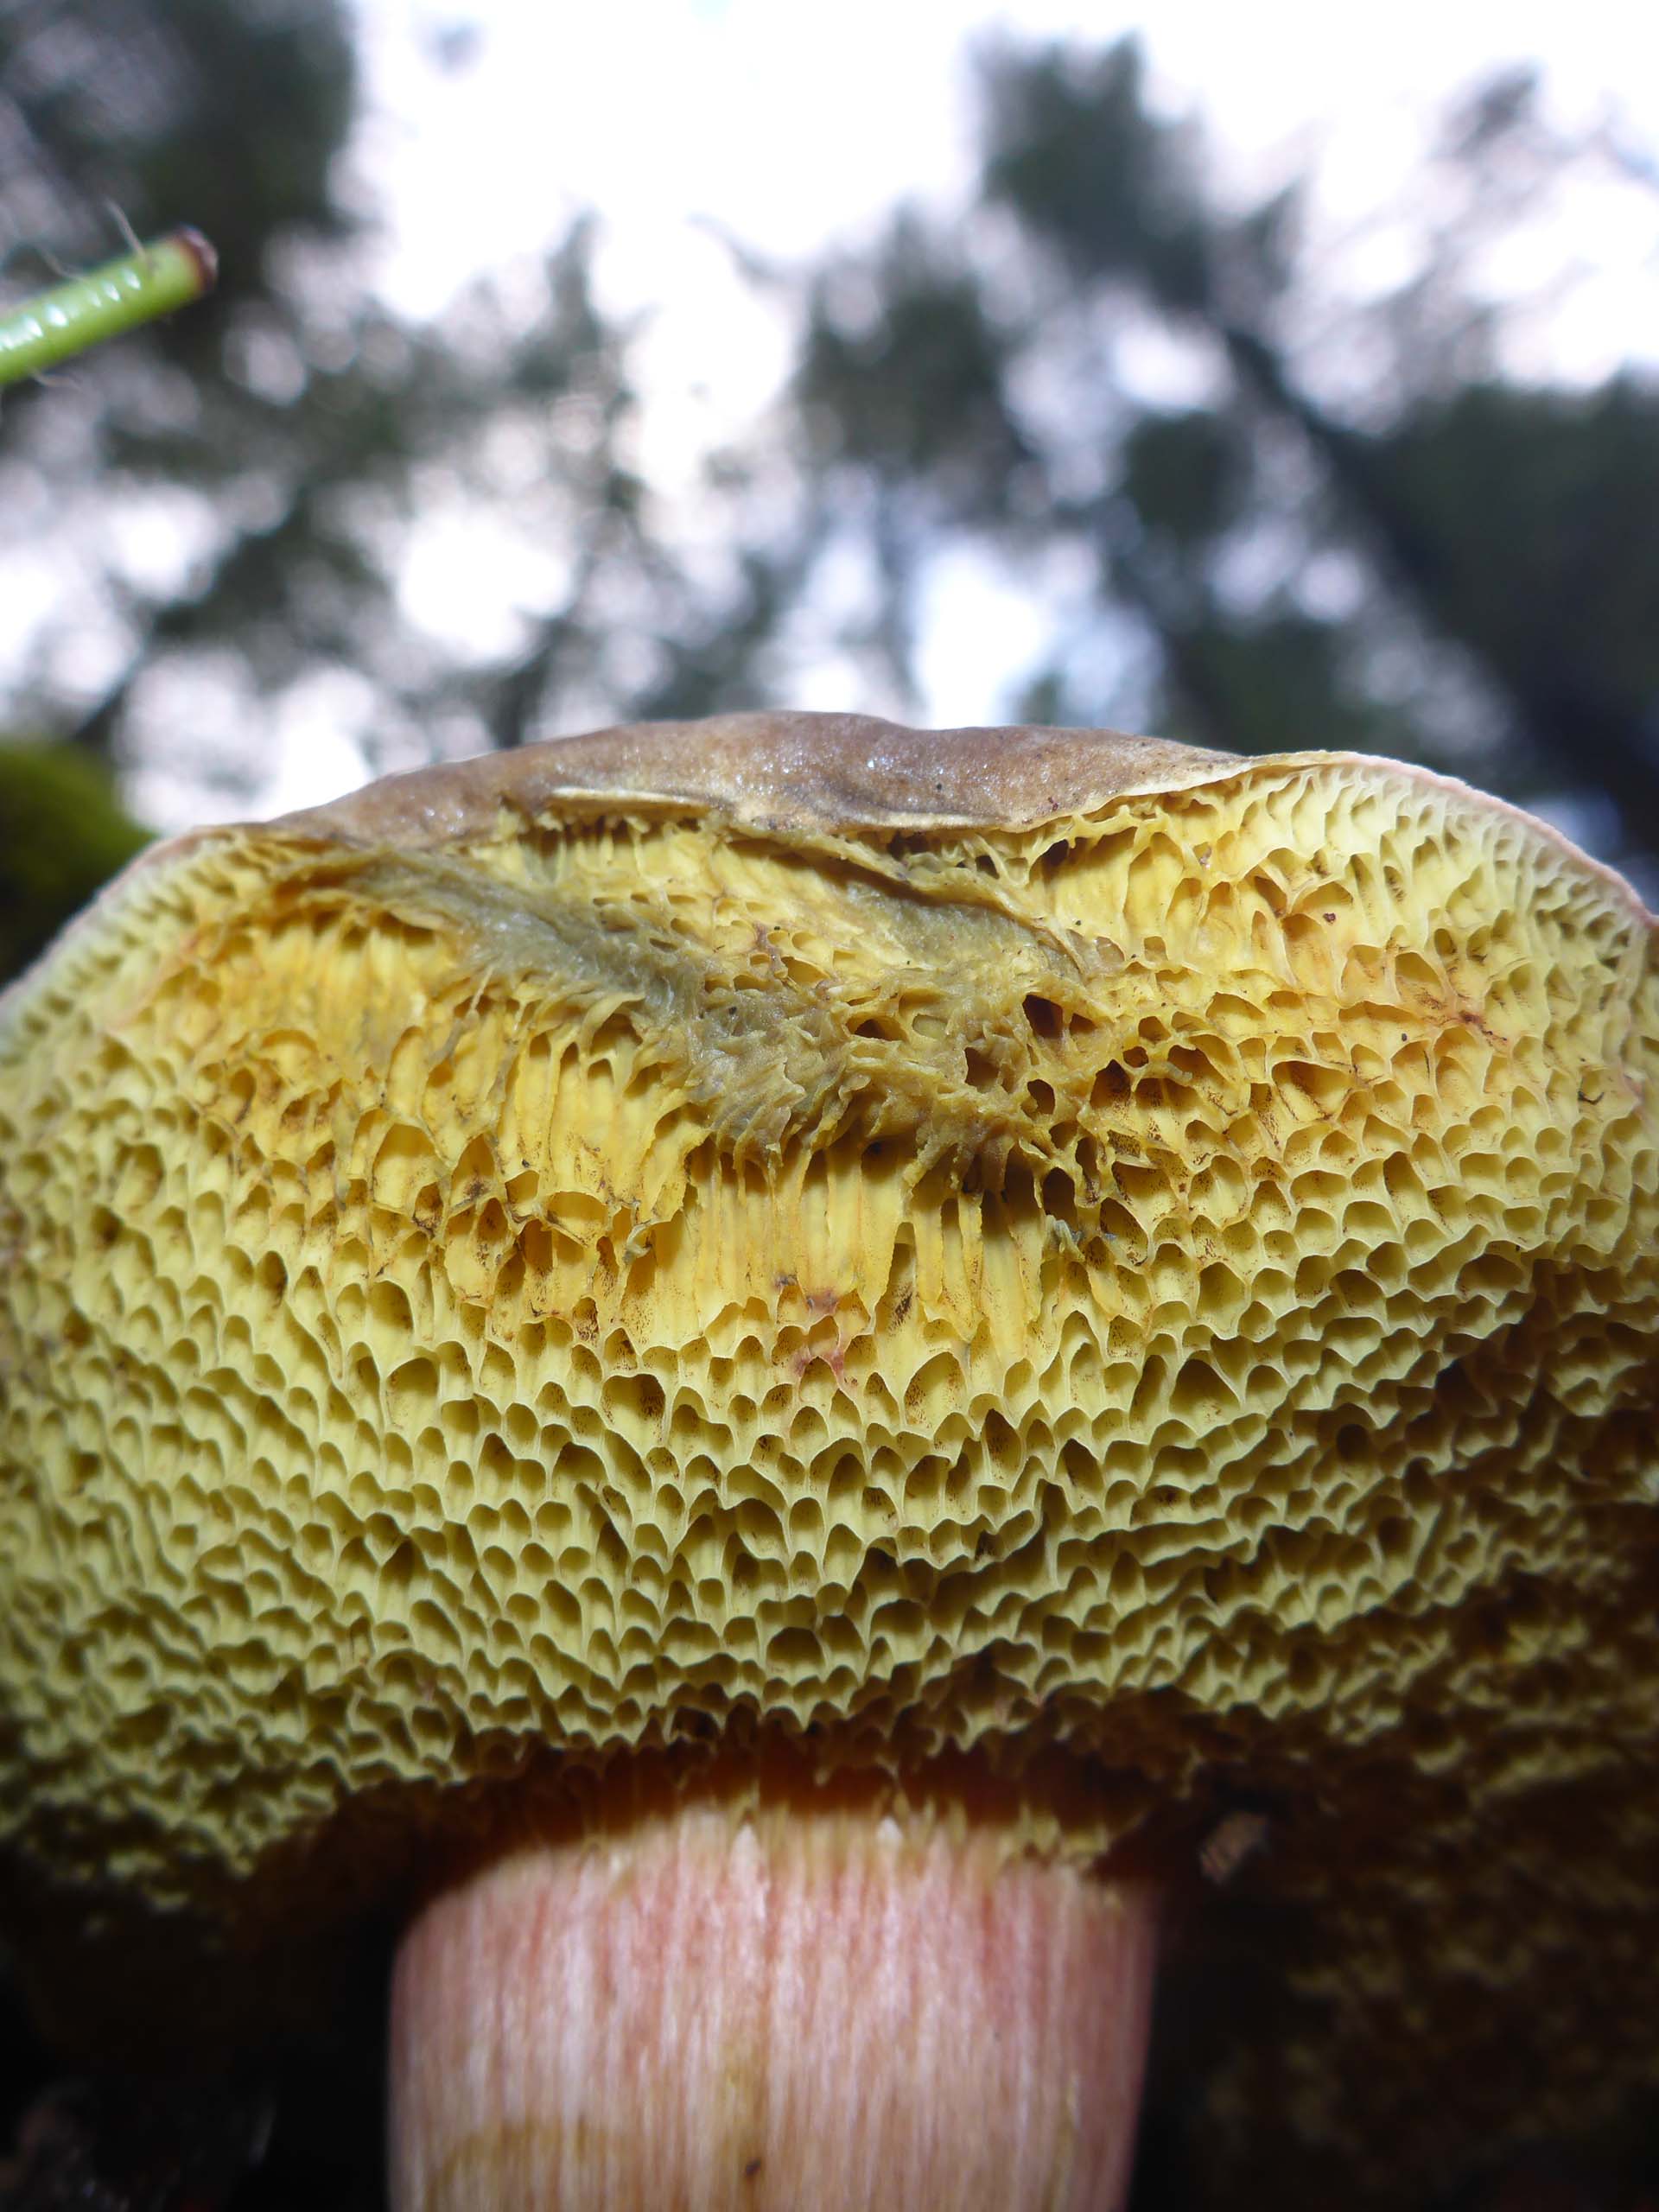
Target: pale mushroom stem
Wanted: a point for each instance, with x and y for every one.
(779, 2013)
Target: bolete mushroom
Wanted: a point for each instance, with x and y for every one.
(784, 1368)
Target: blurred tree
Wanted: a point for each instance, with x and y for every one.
(151, 115)
(301, 435)
(1448, 566)
(1352, 532)
(1526, 524)
(239, 112)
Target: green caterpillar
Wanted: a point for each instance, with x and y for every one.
(137, 287)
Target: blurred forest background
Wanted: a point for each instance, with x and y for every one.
(1360, 532)
(1354, 529)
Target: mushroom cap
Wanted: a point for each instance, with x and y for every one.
(1124, 1274)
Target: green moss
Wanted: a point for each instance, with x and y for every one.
(62, 833)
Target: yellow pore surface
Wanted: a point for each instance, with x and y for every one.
(1152, 1284)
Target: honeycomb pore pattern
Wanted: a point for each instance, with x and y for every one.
(1170, 1279)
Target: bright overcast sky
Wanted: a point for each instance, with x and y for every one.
(789, 123)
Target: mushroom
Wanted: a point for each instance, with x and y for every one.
(772, 1375)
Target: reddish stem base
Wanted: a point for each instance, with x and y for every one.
(788, 2012)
